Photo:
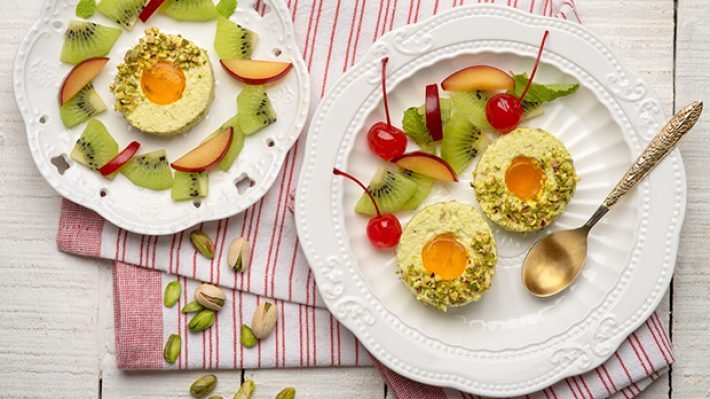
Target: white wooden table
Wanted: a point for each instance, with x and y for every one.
(56, 332)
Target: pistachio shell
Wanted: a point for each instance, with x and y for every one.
(239, 255)
(210, 296)
(264, 320)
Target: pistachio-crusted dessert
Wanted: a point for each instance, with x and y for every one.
(447, 255)
(524, 180)
(164, 85)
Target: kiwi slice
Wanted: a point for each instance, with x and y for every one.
(254, 110)
(233, 41)
(189, 10)
(85, 104)
(95, 147)
(85, 8)
(84, 40)
(189, 185)
(149, 170)
(473, 105)
(462, 142)
(391, 191)
(532, 109)
(414, 126)
(424, 185)
(122, 12)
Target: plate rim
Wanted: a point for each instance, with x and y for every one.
(149, 227)
(326, 272)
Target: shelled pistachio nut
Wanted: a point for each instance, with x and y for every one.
(210, 296)
(172, 348)
(239, 255)
(215, 397)
(203, 243)
(172, 293)
(287, 393)
(203, 386)
(264, 320)
(192, 307)
(247, 338)
(202, 321)
(245, 390)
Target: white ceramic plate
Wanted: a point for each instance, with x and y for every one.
(38, 74)
(510, 343)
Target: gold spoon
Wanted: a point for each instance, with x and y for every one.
(556, 260)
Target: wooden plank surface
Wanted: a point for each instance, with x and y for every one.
(691, 286)
(55, 310)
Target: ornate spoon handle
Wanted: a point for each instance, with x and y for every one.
(657, 149)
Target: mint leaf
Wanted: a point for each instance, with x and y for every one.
(85, 8)
(226, 8)
(540, 93)
(414, 127)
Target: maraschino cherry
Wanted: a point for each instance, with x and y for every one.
(383, 231)
(385, 140)
(505, 111)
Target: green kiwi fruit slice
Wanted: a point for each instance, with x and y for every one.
(462, 142)
(150, 170)
(254, 110)
(95, 147)
(84, 40)
(122, 12)
(391, 190)
(85, 8)
(424, 185)
(414, 126)
(189, 185)
(85, 104)
(532, 109)
(473, 105)
(233, 41)
(189, 10)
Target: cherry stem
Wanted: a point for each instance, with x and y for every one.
(339, 172)
(384, 90)
(537, 63)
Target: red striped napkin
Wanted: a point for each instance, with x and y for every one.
(333, 33)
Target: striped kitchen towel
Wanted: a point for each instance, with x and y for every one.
(333, 35)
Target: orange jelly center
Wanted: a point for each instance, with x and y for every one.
(524, 178)
(445, 257)
(163, 83)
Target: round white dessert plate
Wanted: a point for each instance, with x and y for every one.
(510, 343)
(38, 75)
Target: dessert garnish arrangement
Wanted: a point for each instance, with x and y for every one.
(163, 87)
(523, 180)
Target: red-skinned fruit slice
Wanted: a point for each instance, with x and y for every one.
(150, 9)
(206, 155)
(120, 159)
(256, 72)
(426, 164)
(433, 113)
(478, 77)
(81, 75)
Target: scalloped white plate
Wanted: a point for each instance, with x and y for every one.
(510, 343)
(38, 74)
